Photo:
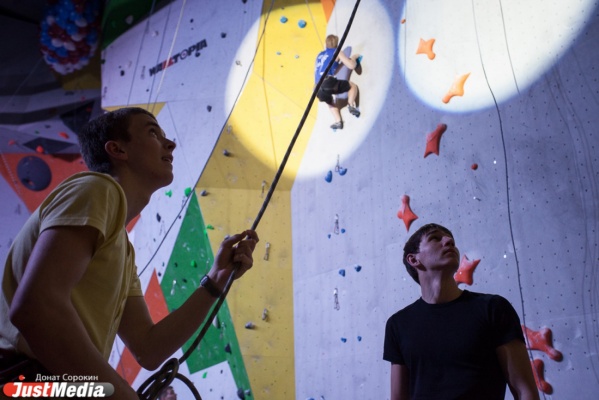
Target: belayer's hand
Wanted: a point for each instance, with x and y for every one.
(235, 252)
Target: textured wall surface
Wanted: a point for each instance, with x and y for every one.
(528, 211)
(212, 78)
(477, 115)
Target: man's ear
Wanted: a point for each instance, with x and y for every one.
(413, 260)
(114, 150)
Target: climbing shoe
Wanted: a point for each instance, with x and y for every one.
(337, 125)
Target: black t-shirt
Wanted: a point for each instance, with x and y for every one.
(449, 349)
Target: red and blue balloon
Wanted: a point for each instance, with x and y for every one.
(70, 33)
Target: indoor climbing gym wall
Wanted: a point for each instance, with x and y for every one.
(476, 115)
(228, 81)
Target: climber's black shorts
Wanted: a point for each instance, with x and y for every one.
(331, 86)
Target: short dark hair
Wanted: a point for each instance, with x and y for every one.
(412, 246)
(113, 125)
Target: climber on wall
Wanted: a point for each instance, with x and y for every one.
(337, 82)
(70, 282)
(452, 343)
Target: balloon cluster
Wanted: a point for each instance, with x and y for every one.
(69, 34)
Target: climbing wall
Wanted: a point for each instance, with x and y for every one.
(229, 95)
(476, 115)
(485, 126)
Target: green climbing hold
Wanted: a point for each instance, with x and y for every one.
(210, 227)
(187, 191)
(169, 193)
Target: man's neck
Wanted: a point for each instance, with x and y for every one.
(137, 197)
(438, 291)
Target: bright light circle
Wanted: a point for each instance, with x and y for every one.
(377, 49)
(326, 146)
(516, 42)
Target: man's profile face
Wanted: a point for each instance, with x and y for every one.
(437, 249)
(149, 152)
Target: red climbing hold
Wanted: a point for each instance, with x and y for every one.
(433, 139)
(537, 368)
(39, 149)
(465, 271)
(405, 212)
(542, 340)
(63, 135)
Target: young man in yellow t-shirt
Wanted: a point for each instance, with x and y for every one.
(70, 283)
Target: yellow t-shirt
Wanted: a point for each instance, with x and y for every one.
(84, 199)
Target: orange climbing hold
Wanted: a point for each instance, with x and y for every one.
(466, 270)
(405, 212)
(542, 340)
(433, 140)
(426, 47)
(537, 368)
(457, 89)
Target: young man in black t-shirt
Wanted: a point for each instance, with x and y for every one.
(453, 344)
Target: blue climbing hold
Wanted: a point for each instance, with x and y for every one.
(283, 19)
(359, 338)
(302, 23)
(342, 272)
(342, 230)
(358, 268)
(329, 177)
(342, 171)
(343, 339)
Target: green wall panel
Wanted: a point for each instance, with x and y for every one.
(191, 258)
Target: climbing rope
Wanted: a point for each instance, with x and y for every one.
(152, 387)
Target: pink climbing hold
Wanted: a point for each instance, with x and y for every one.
(405, 213)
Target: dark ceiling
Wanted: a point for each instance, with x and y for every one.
(36, 104)
(22, 69)
(35, 101)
